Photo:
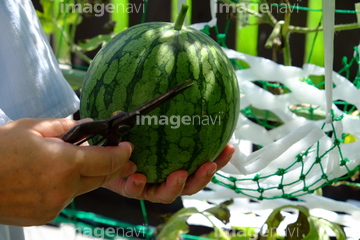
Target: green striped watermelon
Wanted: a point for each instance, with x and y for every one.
(149, 59)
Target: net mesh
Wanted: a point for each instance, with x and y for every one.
(295, 135)
(322, 163)
(283, 117)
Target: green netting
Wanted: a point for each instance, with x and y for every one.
(307, 188)
(270, 121)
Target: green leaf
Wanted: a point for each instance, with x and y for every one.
(306, 226)
(47, 7)
(244, 233)
(219, 236)
(313, 232)
(46, 17)
(176, 225)
(323, 224)
(338, 230)
(272, 223)
(210, 235)
(298, 229)
(95, 42)
(275, 218)
(69, 18)
(241, 238)
(47, 25)
(221, 211)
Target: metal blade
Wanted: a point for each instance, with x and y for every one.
(129, 118)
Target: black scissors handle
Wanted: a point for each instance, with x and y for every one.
(113, 128)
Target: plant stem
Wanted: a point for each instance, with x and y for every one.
(80, 54)
(74, 48)
(285, 33)
(268, 18)
(339, 27)
(181, 18)
(267, 15)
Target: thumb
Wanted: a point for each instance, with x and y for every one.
(54, 127)
(99, 161)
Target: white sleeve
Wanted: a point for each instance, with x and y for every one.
(11, 233)
(4, 119)
(31, 82)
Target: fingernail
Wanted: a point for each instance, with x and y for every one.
(138, 183)
(129, 143)
(181, 181)
(84, 120)
(132, 169)
(132, 146)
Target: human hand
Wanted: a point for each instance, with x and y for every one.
(40, 174)
(177, 184)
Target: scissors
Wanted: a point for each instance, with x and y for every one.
(114, 128)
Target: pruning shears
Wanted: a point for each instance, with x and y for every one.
(114, 128)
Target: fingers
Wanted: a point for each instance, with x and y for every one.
(135, 186)
(200, 178)
(225, 156)
(89, 183)
(98, 161)
(204, 174)
(53, 127)
(177, 183)
(131, 187)
(98, 165)
(168, 191)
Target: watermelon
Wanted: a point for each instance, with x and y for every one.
(149, 59)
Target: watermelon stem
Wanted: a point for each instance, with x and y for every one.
(181, 17)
